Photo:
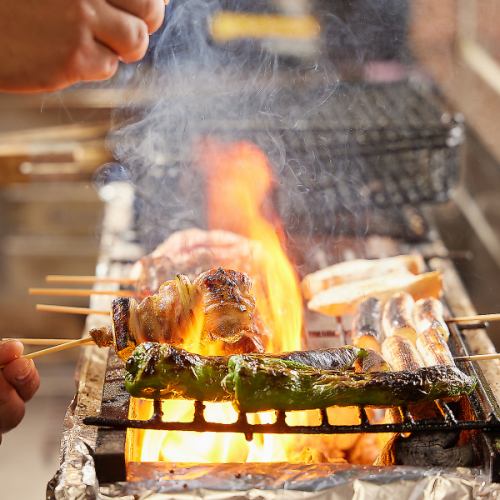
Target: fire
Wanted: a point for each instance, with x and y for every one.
(239, 182)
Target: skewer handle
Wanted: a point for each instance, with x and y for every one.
(63, 278)
(79, 292)
(70, 310)
(34, 341)
(62, 347)
(479, 357)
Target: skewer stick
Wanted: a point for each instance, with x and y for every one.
(79, 292)
(479, 357)
(64, 278)
(62, 347)
(474, 319)
(33, 341)
(70, 310)
(69, 344)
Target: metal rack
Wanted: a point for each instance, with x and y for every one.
(343, 156)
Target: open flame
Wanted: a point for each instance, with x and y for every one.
(239, 182)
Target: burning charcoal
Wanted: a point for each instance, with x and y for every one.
(438, 449)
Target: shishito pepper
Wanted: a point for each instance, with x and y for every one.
(273, 384)
(161, 370)
(256, 382)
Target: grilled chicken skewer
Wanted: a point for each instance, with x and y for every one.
(218, 306)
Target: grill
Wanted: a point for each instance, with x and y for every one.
(359, 154)
(376, 147)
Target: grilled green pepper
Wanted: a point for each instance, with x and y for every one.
(161, 370)
(256, 382)
(273, 384)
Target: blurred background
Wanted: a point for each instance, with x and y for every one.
(51, 147)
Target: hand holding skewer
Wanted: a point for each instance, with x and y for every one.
(19, 380)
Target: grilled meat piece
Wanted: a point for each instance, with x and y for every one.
(228, 304)
(367, 324)
(358, 270)
(433, 348)
(429, 313)
(401, 354)
(266, 382)
(192, 251)
(397, 317)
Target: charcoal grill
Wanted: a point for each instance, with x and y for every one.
(475, 416)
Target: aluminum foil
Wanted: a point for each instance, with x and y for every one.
(319, 482)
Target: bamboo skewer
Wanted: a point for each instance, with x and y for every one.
(79, 292)
(63, 278)
(476, 318)
(70, 310)
(35, 341)
(479, 357)
(69, 344)
(61, 347)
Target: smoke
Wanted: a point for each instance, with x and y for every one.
(277, 96)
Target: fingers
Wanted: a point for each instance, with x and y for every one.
(9, 351)
(123, 33)
(93, 62)
(151, 12)
(11, 406)
(23, 376)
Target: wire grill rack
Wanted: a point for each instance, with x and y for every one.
(340, 154)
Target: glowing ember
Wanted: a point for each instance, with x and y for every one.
(239, 181)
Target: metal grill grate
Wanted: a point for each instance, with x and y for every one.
(448, 423)
(345, 155)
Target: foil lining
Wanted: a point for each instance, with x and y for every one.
(323, 481)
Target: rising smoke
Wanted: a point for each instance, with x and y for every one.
(189, 87)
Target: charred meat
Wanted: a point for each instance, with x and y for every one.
(217, 307)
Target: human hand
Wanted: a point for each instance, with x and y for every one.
(51, 44)
(19, 381)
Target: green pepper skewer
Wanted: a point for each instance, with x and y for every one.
(257, 382)
(161, 370)
(273, 384)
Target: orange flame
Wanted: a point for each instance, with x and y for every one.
(239, 181)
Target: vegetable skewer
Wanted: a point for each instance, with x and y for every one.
(256, 382)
